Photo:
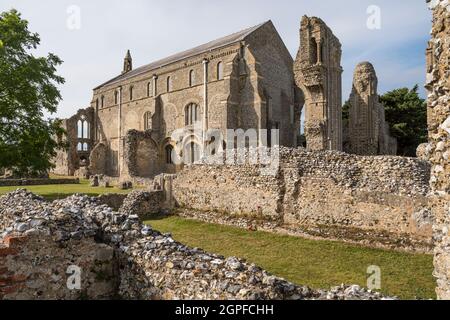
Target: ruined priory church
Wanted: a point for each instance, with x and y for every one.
(247, 80)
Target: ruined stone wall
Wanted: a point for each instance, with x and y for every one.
(36, 182)
(438, 86)
(368, 131)
(67, 162)
(120, 258)
(35, 267)
(317, 188)
(318, 73)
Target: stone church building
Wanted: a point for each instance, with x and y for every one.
(247, 80)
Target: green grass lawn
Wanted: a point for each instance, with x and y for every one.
(52, 192)
(318, 264)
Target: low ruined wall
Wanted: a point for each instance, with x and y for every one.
(120, 257)
(231, 189)
(143, 203)
(36, 182)
(33, 266)
(317, 188)
(112, 200)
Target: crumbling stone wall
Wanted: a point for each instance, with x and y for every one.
(318, 73)
(68, 161)
(141, 155)
(438, 85)
(37, 182)
(120, 257)
(368, 130)
(385, 194)
(35, 267)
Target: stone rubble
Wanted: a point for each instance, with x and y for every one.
(152, 265)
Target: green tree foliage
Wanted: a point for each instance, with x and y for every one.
(27, 89)
(406, 113)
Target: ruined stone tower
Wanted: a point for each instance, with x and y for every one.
(318, 73)
(438, 86)
(368, 131)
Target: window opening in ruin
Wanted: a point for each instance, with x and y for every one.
(83, 128)
(313, 51)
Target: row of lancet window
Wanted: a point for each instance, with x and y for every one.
(169, 85)
(83, 128)
(82, 146)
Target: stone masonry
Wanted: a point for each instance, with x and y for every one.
(368, 131)
(318, 73)
(438, 86)
(120, 258)
(328, 188)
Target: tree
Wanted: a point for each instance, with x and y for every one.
(406, 113)
(28, 142)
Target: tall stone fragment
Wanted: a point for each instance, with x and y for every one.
(438, 86)
(318, 73)
(368, 131)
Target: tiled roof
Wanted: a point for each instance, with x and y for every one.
(216, 44)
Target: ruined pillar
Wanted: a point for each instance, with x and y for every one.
(438, 86)
(318, 73)
(368, 131)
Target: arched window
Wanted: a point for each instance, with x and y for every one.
(116, 97)
(79, 146)
(191, 114)
(96, 104)
(220, 71)
(80, 129)
(83, 128)
(86, 129)
(102, 103)
(149, 89)
(191, 78)
(85, 147)
(169, 84)
(147, 121)
(169, 151)
(131, 93)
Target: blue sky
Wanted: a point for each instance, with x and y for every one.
(153, 29)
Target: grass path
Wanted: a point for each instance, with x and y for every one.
(318, 264)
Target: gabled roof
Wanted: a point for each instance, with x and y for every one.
(212, 45)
